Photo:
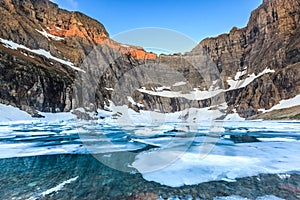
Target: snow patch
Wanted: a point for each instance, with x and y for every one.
(48, 35)
(179, 84)
(130, 99)
(288, 103)
(237, 84)
(109, 89)
(127, 116)
(196, 94)
(58, 28)
(42, 52)
(234, 117)
(239, 74)
(13, 115)
(10, 113)
(214, 86)
(162, 88)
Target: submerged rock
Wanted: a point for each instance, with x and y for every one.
(86, 178)
(244, 138)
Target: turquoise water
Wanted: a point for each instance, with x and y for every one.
(92, 160)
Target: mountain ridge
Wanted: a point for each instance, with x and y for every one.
(264, 42)
(266, 52)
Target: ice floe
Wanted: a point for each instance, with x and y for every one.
(234, 197)
(177, 167)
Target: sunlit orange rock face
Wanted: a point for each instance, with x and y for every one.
(76, 31)
(10, 5)
(133, 51)
(141, 54)
(65, 24)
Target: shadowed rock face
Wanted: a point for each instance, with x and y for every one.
(31, 81)
(34, 82)
(270, 40)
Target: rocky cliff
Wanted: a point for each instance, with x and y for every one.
(270, 40)
(39, 43)
(54, 60)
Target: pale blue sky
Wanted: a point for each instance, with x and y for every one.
(196, 19)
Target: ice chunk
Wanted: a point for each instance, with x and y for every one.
(12, 114)
(178, 166)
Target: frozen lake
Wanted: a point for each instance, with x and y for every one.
(171, 154)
